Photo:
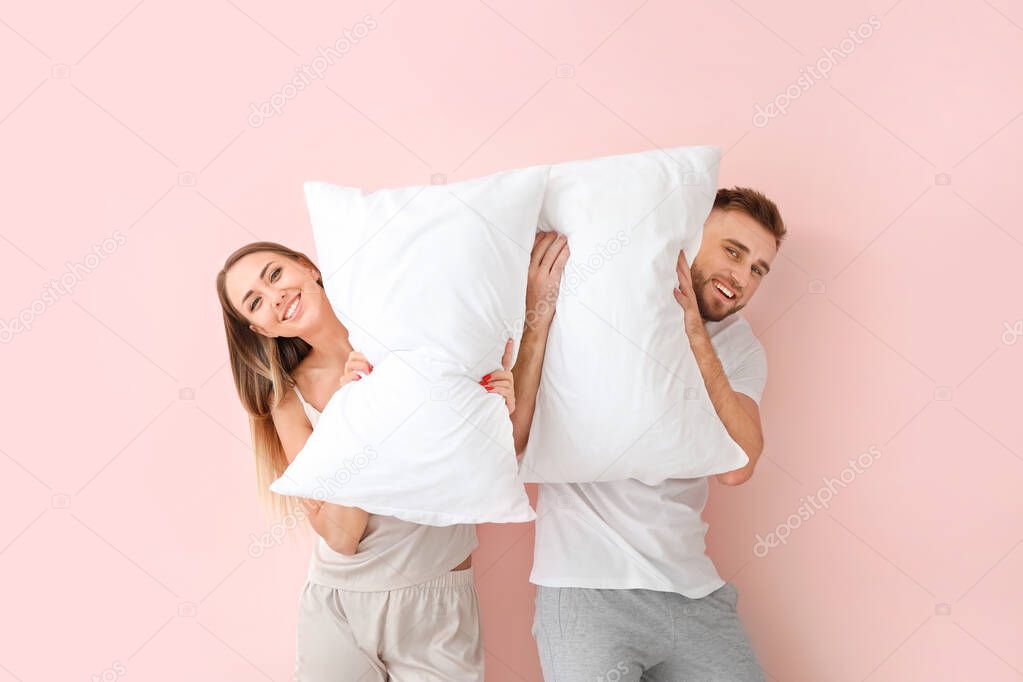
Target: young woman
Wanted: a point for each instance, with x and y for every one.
(384, 599)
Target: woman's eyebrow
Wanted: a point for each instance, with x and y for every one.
(262, 273)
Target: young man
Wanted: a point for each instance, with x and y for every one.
(625, 590)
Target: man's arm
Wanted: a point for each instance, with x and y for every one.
(738, 412)
(550, 252)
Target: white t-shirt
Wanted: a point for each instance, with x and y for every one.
(630, 535)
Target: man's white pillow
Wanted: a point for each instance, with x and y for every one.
(621, 395)
(430, 282)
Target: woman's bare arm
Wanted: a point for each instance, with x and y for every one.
(341, 527)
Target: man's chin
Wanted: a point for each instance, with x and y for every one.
(716, 312)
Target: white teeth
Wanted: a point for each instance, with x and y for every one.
(724, 290)
(291, 310)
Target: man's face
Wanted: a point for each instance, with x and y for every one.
(735, 256)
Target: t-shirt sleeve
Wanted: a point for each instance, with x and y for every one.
(749, 375)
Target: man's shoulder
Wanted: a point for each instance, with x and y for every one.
(733, 339)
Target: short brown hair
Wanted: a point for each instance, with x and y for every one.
(756, 206)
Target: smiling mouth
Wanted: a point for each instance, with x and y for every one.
(724, 291)
(292, 308)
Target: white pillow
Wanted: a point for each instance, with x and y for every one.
(621, 395)
(430, 282)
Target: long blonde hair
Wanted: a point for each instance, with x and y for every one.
(262, 368)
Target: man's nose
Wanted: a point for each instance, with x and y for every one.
(739, 280)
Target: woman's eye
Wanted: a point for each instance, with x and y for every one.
(275, 274)
(255, 302)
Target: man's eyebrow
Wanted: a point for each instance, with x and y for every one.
(745, 249)
(737, 244)
(262, 273)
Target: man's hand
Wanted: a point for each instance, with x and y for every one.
(546, 265)
(547, 262)
(685, 295)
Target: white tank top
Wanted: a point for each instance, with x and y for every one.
(392, 553)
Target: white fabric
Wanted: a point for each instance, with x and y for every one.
(429, 281)
(621, 395)
(392, 553)
(630, 535)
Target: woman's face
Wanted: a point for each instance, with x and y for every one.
(277, 295)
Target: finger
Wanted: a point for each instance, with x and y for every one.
(540, 248)
(552, 253)
(357, 366)
(507, 394)
(500, 385)
(559, 263)
(500, 374)
(349, 377)
(679, 296)
(507, 359)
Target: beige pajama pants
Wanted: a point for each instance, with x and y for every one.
(425, 632)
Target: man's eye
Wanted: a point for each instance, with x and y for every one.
(732, 252)
(275, 274)
(758, 271)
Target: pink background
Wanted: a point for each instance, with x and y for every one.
(890, 319)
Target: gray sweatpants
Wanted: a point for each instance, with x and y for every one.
(588, 635)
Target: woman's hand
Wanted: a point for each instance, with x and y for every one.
(501, 382)
(355, 364)
(320, 518)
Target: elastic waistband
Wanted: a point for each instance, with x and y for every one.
(449, 579)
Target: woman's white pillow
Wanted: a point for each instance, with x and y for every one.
(430, 282)
(621, 395)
